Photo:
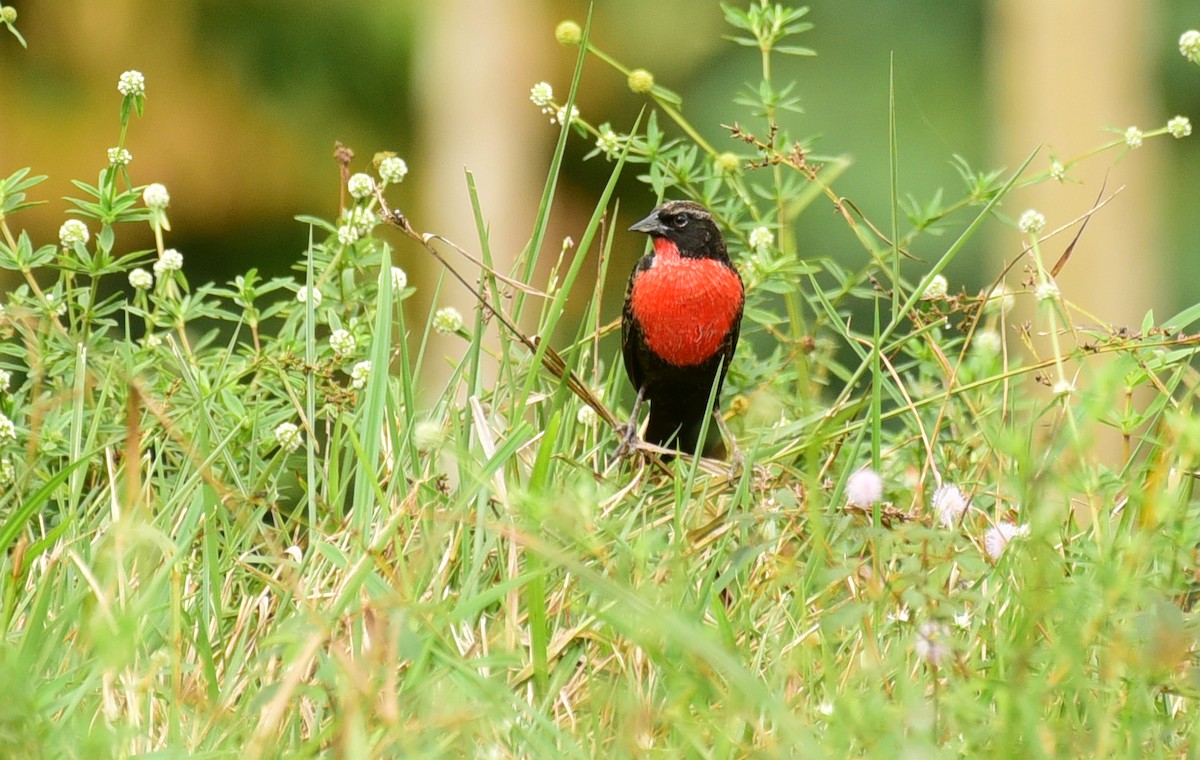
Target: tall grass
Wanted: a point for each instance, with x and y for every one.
(474, 573)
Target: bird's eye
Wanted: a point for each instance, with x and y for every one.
(679, 221)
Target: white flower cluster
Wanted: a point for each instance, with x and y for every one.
(609, 142)
(131, 83)
(359, 374)
(864, 488)
(8, 431)
(937, 288)
(1032, 222)
(447, 320)
(171, 260)
(119, 157)
(71, 232)
(302, 296)
(1189, 45)
(399, 279)
(542, 96)
(361, 185)
(288, 436)
(140, 279)
(155, 196)
(392, 170)
(342, 342)
(949, 505)
(761, 238)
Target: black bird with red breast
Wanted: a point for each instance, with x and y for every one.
(679, 329)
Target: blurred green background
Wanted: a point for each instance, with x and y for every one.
(245, 100)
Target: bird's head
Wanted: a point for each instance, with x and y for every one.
(686, 225)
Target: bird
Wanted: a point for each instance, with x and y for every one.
(679, 328)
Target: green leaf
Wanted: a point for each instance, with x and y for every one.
(17, 34)
(316, 222)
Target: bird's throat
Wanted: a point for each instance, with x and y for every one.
(685, 306)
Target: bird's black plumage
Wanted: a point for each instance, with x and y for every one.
(684, 299)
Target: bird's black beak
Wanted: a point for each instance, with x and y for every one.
(651, 225)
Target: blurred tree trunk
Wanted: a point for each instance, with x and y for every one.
(1063, 71)
(476, 61)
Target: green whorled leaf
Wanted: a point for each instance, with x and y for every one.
(17, 34)
(106, 238)
(316, 222)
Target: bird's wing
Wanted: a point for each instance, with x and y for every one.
(631, 335)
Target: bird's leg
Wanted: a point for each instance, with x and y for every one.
(628, 433)
(736, 460)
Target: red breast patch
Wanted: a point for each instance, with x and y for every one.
(685, 306)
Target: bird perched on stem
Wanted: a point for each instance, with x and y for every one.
(679, 328)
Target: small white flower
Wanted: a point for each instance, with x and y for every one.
(427, 435)
(996, 539)
(1133, 137)
(5, 380)
(347, 234)
(342, 343)
(931, 644)
(541, 94)
(56, 306)
(361, 220)
(447, 320)
(119, 157)
(1179, 127)
(1189, 45)
(360, 185)
(71, 232)
(1064, 388)
(609, 142)
(586, 416)
(1002, 297)
(1046, 290)
(289, 436)
(761, 237)
(963, 619)
(392, 170)
(1058, 171)
(132, 83)
(936, 289)
(901, 615)
(761, 263)
(825, 707)
(399, 279)
(864, 487)
(141, 279)
(8, 473)
(170, 261)
(302, 295)
(359, 374)
(1032, 222)
(561, 117)
(949, 504)
(8, 431)
(987, 342)
(156, 196)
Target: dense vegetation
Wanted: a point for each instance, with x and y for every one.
(236, 525)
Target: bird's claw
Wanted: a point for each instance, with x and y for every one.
(629, 441)
(737, 462)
